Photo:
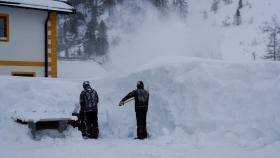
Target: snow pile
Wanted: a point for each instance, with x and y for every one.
(193, 102)
(80, 69)
(238, 100)
(33, 97)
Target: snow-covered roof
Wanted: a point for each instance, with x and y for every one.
(52, 5)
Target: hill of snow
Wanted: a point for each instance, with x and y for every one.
(198, 108)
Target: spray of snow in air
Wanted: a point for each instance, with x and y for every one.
(147, 35)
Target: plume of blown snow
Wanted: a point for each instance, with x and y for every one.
(146, 35)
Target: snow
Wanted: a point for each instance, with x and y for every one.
(81, 69)
(198, 108)
(40, 4)
(149, 34)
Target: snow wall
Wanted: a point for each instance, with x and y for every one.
(238, 102)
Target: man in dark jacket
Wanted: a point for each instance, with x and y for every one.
(88, 101)
(141, 98)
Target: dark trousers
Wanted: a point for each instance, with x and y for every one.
(91, 123)
(141, 124)
(82, 127)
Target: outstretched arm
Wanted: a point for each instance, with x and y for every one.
(128, 96)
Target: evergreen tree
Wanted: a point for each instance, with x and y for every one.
(109, 4)
(237, 18)
(90, 44)
(273, 46)
(69, 33)
(102, 41)
(227, 2)
(90, 40)
(75, 21)
(75, 2)
(205, 14)
(64, 41)
(181, 6)
(240, 4)
(254, 55)
(215, 6)
(119, 1)
(162, 4)
(89, 3)
(273, 52)
(69, 26)
(79, 53)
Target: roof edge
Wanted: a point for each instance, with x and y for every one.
(42, 8)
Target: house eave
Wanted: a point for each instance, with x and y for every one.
(42, 8)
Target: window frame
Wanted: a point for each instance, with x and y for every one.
(7, 28)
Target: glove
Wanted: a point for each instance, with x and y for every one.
(121, 103)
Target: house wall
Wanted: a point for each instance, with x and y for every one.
(7, 70)
(26, 42)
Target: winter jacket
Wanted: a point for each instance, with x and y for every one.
(89, 100)
(141, 97)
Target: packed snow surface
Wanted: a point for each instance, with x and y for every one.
(198, 108)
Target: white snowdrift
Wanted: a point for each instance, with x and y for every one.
(80, 69)
(196, 108)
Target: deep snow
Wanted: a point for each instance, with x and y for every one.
(198, 108)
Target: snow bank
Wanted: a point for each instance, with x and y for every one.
(232, 100)
(194, 104)
(80, 69)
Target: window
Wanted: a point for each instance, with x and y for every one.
(24, 74)
(4, 27)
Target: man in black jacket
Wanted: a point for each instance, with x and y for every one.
(141, 98)
(88, 111)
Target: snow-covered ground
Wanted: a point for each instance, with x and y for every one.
(198, 108)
